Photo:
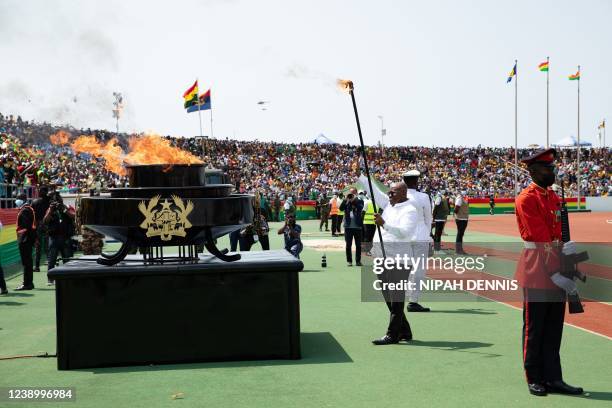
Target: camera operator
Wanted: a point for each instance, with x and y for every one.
(60, 227)
(353, 225)
(292, 231)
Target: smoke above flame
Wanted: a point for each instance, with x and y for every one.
(147, 149)
(60, 138)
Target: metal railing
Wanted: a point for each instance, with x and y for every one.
(9, 193)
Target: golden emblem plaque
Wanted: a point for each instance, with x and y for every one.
(166, 219)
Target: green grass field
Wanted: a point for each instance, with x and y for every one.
(464, 354)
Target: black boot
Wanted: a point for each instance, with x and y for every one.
(537, 389)
(415, 307)
(459, 248)
(561, 387)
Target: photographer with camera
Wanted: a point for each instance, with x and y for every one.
(59, 222)
(353, 225)
(292, 231)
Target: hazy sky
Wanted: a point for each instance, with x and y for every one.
(436, 70)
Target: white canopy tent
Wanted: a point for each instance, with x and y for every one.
(571, 141)
(322, 139)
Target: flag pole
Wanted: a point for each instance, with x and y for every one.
(199, 111)
(516, 165)
(547, 101)
(578, 147)
(211, 116)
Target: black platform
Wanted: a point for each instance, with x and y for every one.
(134, 314)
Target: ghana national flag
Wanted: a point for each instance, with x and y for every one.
(575, 77)
(204, 104)
(191, 95)
(543, 66)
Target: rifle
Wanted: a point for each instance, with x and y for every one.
(569, 263)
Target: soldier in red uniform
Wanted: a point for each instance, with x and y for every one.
(544, 289)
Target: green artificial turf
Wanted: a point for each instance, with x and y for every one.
(464, 354)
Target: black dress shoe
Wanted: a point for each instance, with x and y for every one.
(561, 387)
(3, 292)
(537, 389)
(358, 264)
(405, 337)
(36, 269)
(415, 307)
(24, 287)
(384, 340)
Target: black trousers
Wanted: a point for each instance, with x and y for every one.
(25, 251)
(438, 234)
(398, 324)
(247, 242)
(335, 224)
(234, 237)
(351, 234)
(42, 244)
(369, 230)
(324, 220)
(542, 331)
(461, 226)
(2, 281)
(58, 245)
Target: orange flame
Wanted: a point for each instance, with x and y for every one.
(60, 138)
(147, 149)
(153, 149)
(345, 85)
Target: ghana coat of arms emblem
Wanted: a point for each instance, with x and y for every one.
(166, 219)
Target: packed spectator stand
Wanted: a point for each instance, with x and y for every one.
(301, 170)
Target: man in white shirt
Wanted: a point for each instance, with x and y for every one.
(421, 240)
(398, 224)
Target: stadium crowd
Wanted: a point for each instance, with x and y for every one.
(301, 170)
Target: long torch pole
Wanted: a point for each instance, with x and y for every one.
(578, 147)
(365, 164)
(547, 103)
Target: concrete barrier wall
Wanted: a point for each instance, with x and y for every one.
(599, 204)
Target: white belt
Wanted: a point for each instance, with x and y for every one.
(532, 245)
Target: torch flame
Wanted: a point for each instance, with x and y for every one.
(60, 138)
(147, 149)
(345, 85)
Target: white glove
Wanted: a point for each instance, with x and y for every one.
(564, 283)
(569, 248)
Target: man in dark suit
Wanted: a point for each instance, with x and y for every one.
(26, 236)
(353, 225)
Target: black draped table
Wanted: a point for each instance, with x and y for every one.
(132, 313)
